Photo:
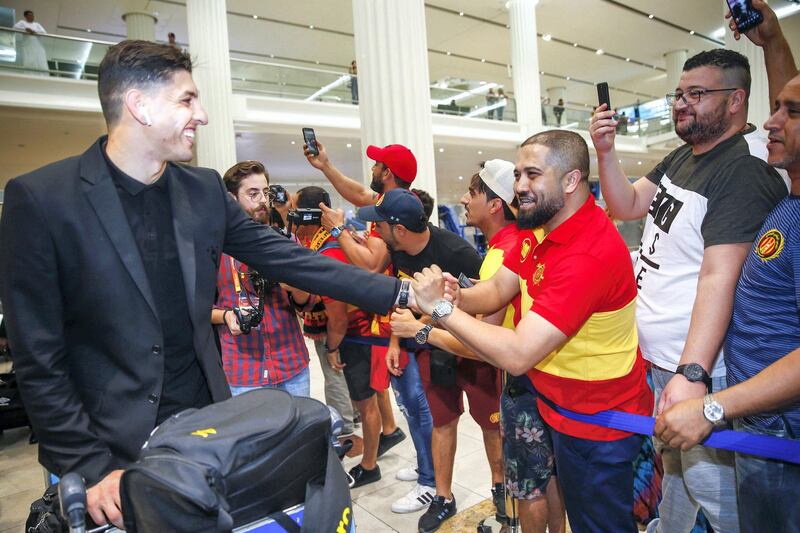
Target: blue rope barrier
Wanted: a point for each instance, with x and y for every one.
(787, 450)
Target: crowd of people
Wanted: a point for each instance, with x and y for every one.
(554, 323)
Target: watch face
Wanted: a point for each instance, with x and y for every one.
(693, 372)
(443, 309)
(713, 412)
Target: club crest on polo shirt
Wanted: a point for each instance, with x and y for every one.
(770, 245)
(525, 249)
(538, 275)
(380, 200)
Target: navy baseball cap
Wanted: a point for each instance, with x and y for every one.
(398, 206)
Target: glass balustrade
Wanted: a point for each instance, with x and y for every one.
(78, 58)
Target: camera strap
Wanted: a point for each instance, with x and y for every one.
(319, 239)
(237, 285)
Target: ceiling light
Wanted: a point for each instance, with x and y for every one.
(460, 13)
(480, 152)
(547, 37)
(449, 53)
(655, 66)
(317, 62)
(292, 142)
(483, 60)
(691, 32)
(441, 150)
(568, 78)
(541, 72)
(638, 162)
(255, 16)
(628, 59)
(620, 161)
(349, 145)
(599, 51)
(651, 17)
(272, 55)
(89, 30)
(310, 26)
(461, 177)
(575, 45)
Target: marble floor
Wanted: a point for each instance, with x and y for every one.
(22, 481)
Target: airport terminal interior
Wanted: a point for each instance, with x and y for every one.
(490, 73)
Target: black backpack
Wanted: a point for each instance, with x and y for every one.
(235, 462)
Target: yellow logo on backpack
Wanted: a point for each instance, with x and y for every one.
(204, 432)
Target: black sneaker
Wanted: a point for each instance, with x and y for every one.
(362, 476)
(387, 442)
(499, 500)
(437, 512)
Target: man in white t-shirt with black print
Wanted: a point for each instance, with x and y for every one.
(704, 204)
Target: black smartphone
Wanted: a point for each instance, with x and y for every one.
(602, 95)
(311, 140)
(464, 281)
(745, 16)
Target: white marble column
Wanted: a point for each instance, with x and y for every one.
(760, 106)
(394, 101)
(675, 60)
(525, 64)
(208, 44)
(140, 25)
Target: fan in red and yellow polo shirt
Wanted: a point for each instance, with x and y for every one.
(580, 279)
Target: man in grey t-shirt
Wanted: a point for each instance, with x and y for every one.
(704, 204)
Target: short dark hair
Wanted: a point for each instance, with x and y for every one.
(477, 185)
(734, 66)
(25, 13)
(427, 201)
(310, 197)
(567, 150)
(135, 64)
(233, 176)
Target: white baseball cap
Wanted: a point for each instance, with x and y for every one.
(498, 175)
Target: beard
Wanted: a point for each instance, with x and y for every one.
(260, 215)
(376, 184)
(704, 128)
(530, 218)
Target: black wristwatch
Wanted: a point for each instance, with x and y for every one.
(694, 373)
(335, 232)
(402, 298)
(422, 335)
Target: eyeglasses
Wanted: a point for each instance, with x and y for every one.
(255, 196)
(692, 96)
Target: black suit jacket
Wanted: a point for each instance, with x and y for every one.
(80, 312)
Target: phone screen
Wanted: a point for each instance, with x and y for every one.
(745, 16)
(311, 140)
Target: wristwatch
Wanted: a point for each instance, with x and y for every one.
(402, 298)
(713, 410)
(694, 373)
(422, 335)
(441, 309)
(335, 232)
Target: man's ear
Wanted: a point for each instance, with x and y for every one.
(572, 180)
(497, 205)
(738, 100)
(134, 102)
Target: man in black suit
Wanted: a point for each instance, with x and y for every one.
(108, 265)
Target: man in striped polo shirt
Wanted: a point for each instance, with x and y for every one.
(577, 338)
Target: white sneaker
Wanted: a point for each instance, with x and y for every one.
(407, 474)
(417, 499)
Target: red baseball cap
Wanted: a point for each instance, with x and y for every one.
(397, 158)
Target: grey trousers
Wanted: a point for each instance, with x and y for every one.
(702, 478)
(336, 394)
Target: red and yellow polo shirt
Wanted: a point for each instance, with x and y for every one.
(501, 245)
(580, 279)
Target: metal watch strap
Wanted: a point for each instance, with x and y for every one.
(405, 286)
(338, 230)
(421, 337)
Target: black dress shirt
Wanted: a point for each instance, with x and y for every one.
(149, 213)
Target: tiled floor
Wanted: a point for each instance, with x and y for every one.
(21, 477)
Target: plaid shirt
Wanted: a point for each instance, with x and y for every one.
(270, 354)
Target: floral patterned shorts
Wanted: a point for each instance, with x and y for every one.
(527, 448)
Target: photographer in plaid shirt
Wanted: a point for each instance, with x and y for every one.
(273, 353)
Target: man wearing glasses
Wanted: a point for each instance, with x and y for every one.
(270, 351)
(704, 204)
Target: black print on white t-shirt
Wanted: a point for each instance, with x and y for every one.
(664, 209)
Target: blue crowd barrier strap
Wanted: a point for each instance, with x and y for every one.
(767, 446)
